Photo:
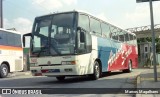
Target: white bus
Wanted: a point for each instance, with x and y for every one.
(11, 52)
(76, 43)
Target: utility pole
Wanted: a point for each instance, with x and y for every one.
(153, 41)
(153, 35)
(1, 14)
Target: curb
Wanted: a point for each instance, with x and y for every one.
(138, 81)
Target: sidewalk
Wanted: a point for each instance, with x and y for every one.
(21, 73)
(146, 80)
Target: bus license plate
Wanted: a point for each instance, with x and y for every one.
(53, 70)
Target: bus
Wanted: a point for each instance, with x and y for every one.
(11, 52)
(76, 43)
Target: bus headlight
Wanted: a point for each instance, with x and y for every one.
(68, 62)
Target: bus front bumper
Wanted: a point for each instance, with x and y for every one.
(67, 70)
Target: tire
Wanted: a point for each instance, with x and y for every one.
(4, 71)
(60, 78)
(129, 68)
(97, 71)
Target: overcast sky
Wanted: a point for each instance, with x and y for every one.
(125, 14)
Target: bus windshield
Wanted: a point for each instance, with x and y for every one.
(54, 35)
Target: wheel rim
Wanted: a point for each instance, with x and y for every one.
(4, 70)
(97, 70)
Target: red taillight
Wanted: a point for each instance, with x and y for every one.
(44, 71)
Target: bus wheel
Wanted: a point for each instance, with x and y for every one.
(96, 73)
(129, 68)
(60, 78)
(3, 71)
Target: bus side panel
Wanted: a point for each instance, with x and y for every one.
(85, 63)
(120, 59)
(134, 57)
(94, 54)
(104, 50)
(115, 55)
(13, 56)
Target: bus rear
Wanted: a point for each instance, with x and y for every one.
(11, 52)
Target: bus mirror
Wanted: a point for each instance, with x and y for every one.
(24, 36)
(82, 37)
(52, 30)
(81, 31)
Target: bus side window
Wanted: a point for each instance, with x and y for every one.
(3, 39)
(105, 30)
(84, 41)
(126, 38)
(95, 26)
(83, 22)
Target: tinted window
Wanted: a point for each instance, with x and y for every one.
(112, 29)
(84, 42)
(126, 37)
(131, 38)
(121, 36)
(95, 26)
(105, 29)
(3, 38)
(10, 39)
(83, 22)
(17, 40)
(115, 35)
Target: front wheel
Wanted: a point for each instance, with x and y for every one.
(60, 78)
(97, 71)
(3, 71)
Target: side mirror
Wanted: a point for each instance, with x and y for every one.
(52, 30)
(81, 34)
(24, 36)
(82, 37)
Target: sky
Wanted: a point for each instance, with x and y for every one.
(125, 14)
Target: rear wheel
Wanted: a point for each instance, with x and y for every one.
(3, 71)
(97, 71)
(129, 68)
(60, 78)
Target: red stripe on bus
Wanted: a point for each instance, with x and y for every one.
(2, 47)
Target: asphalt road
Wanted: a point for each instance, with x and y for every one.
(117, 80)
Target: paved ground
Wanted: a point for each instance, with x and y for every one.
(122, 80)
(114, 80)
(146, 81)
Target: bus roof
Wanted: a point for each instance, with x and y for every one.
(10, 31)
(87, 13)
